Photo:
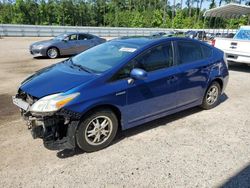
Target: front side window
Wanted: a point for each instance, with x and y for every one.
(156, 58)
(73, 37)
(125, 71)
(189, 52)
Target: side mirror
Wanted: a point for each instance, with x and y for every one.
(138, 74)
(66, 39)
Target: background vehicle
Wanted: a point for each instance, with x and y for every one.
(211, 36)
(236, 49)
(65, 44)
(200, 35)
(121, 83)
(165, 34)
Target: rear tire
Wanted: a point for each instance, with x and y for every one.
(212, 96)
(52, 53)
(97, 130)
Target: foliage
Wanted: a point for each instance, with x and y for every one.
(118, 13)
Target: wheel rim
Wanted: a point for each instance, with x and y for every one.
(98, 130)
(212, 95)
(52, 53)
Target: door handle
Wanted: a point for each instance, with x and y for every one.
(171, 78)
(205, 67)
(120, 93)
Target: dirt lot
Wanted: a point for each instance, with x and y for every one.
(193, 148)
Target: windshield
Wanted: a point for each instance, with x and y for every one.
(60, 37)
(243, 35)
(104, 56)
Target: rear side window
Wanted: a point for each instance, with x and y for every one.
(156, 58)
(207, 52)
(84, 37)
(189, 52)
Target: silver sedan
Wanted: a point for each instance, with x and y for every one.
(65, 44)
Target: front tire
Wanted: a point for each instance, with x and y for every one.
(97, 130)
(212, 96)
(52, 53)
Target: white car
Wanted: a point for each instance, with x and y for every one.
(237, 49)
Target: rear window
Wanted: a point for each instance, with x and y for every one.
(207, 52)
(243, 35)
(189, 52)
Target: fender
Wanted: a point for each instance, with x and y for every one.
(216, 74)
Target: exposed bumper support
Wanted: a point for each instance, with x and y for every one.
(67, 142)
(57, 131)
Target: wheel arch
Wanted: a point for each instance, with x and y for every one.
(215, 79)
(113, 108)
(220, 82)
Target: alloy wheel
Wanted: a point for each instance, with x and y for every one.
(52, 53)
(212, 95)
(98, 130)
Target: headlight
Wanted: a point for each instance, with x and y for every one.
(39, 47)
(53, 102)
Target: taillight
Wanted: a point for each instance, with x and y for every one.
(213, 42)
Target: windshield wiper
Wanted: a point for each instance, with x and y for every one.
(80, 66)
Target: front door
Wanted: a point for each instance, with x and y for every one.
(69, 45)
(155, 95)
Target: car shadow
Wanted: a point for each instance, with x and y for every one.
(141, 128)
(223, 97)
(240, 67)
(239, 180)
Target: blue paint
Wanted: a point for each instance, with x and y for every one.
(158, 93)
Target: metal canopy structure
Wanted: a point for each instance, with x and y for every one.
(231, 10)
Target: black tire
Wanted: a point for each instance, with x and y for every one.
(208, 103)
(52, 53)
(89, 123)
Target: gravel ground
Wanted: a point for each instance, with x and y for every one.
(194, 148)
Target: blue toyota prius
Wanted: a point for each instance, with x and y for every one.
(82, 101)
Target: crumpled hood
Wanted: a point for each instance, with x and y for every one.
(57, 78)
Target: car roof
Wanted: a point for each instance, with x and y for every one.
(71, 33)
(144, 41)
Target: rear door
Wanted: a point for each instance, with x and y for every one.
(85, 41)
(194, 61)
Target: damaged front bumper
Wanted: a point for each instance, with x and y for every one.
(57, 130)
